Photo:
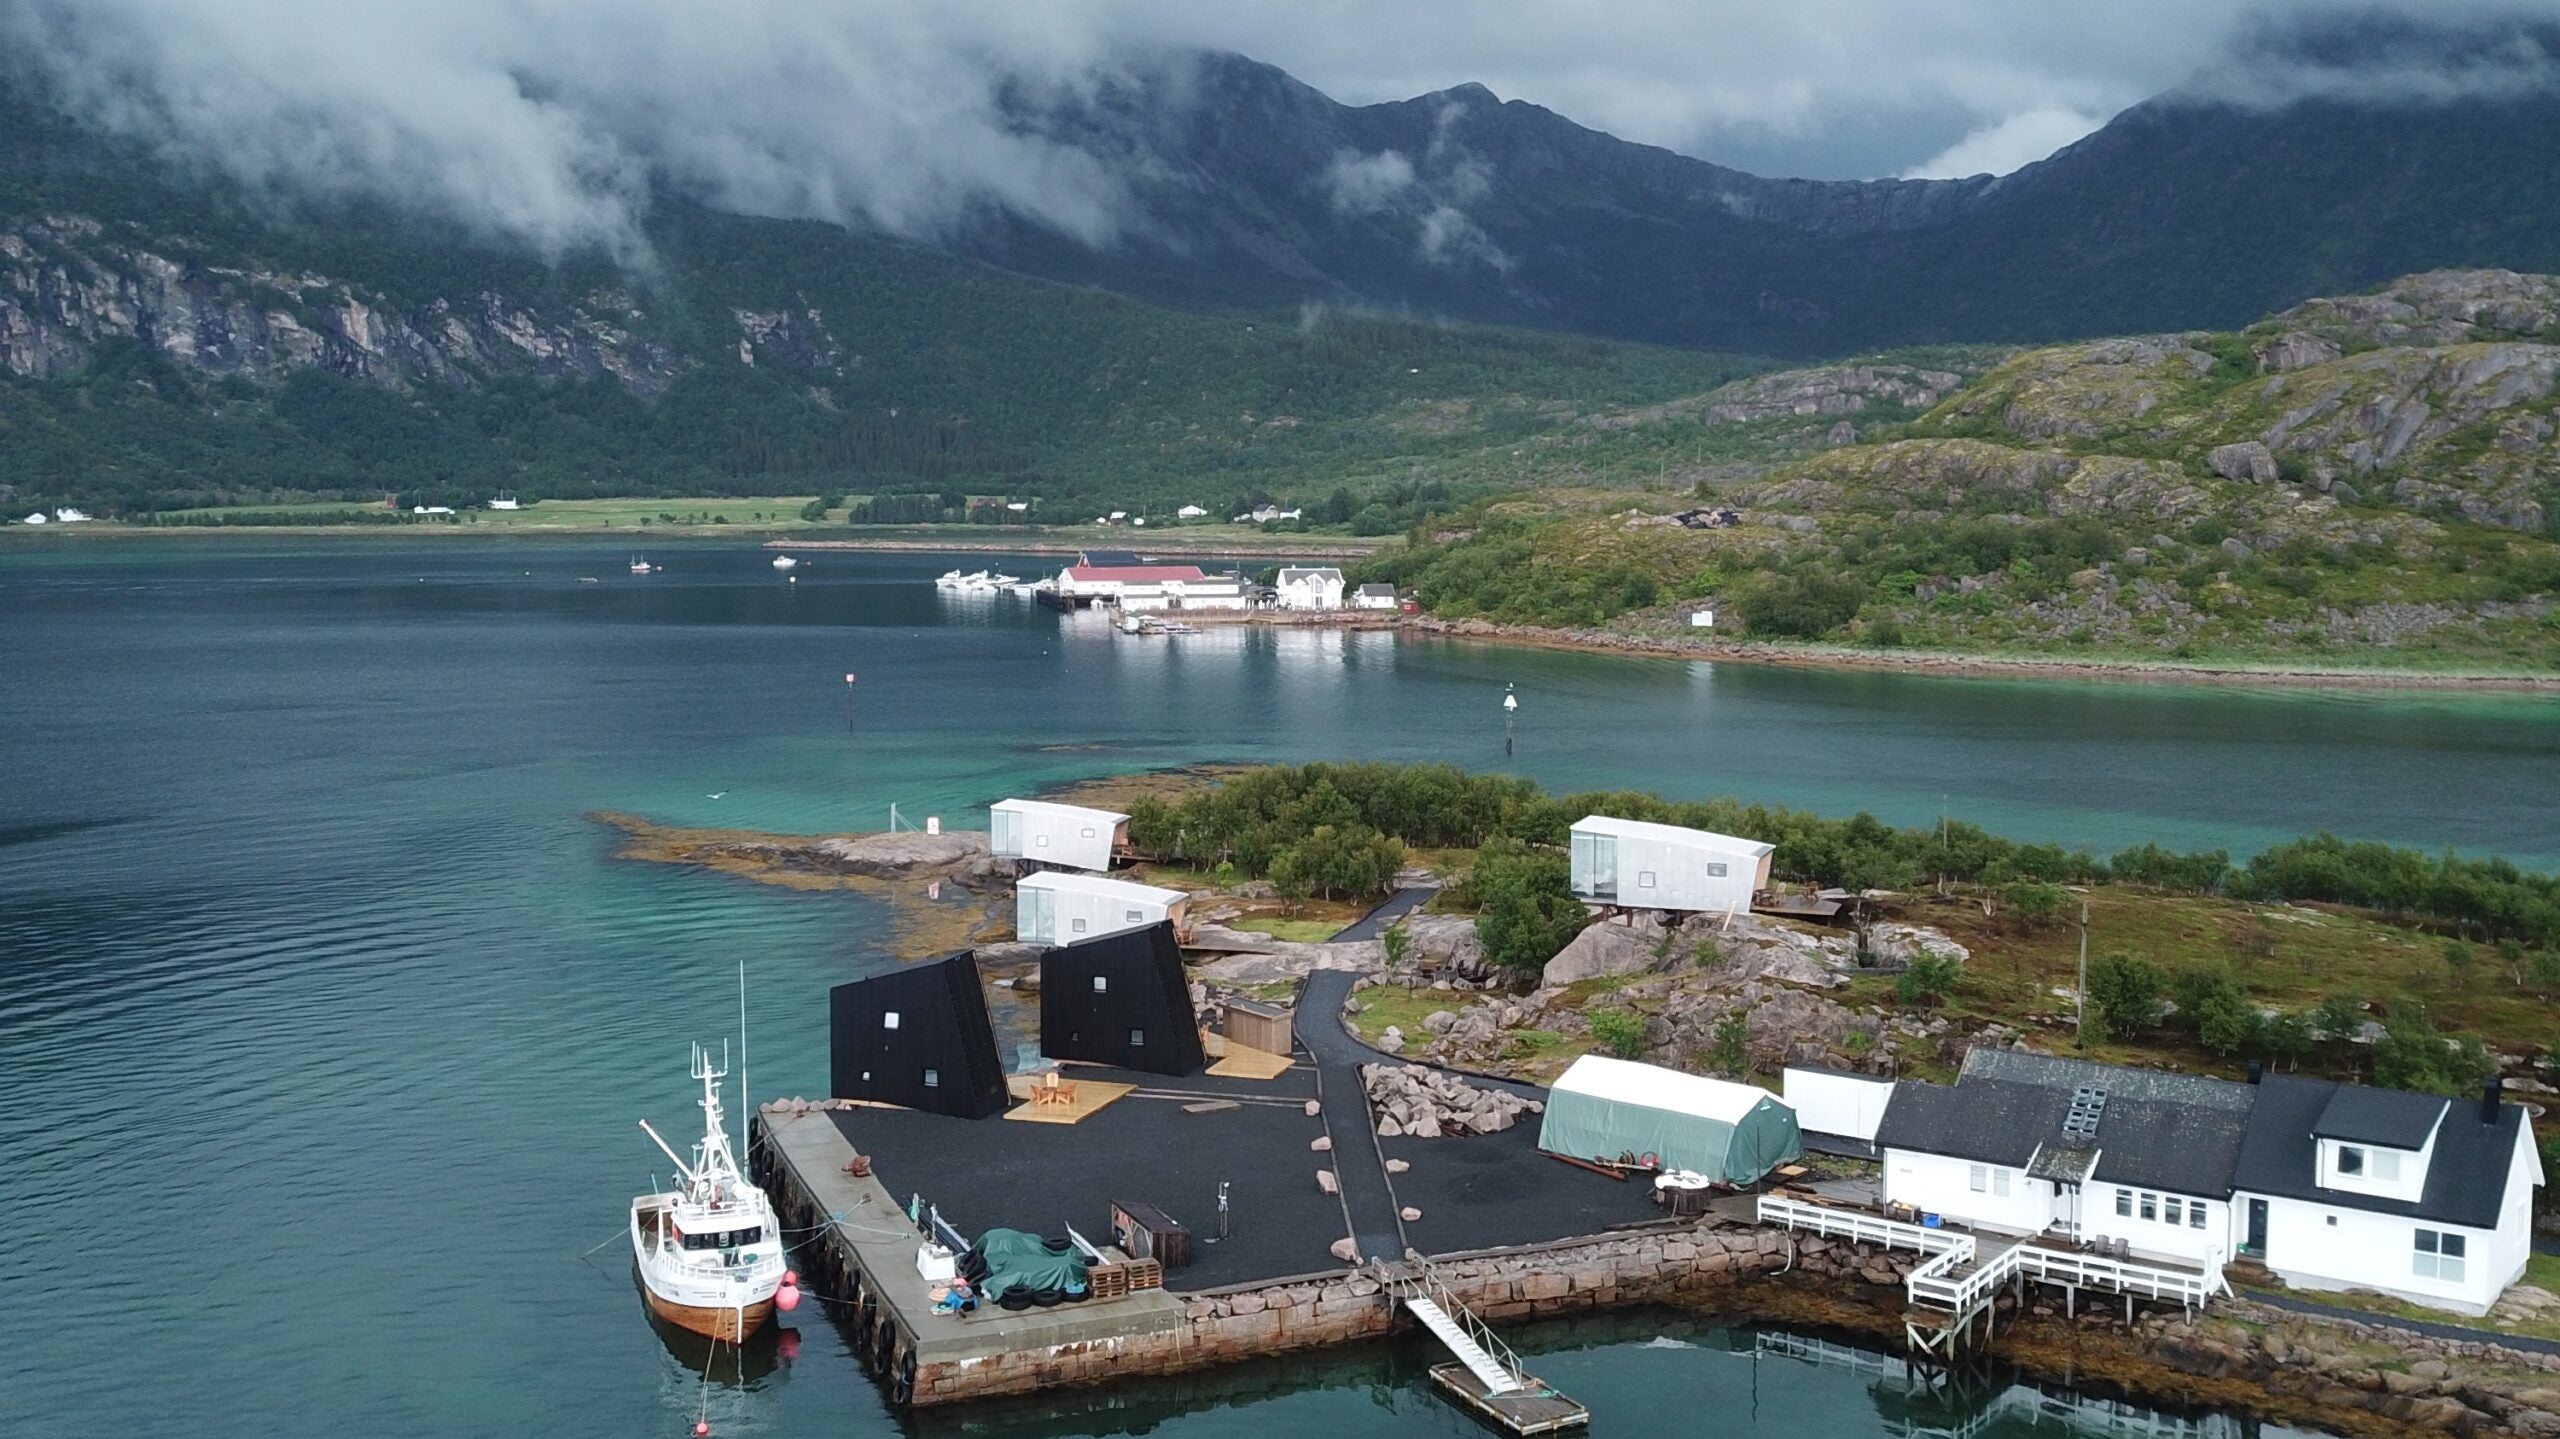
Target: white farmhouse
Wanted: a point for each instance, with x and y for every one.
(1374, 597)
(1056, 907)
(1067, 835)
(1635, 865)
(2331, 1186)
(1191, 512)
(2342, 1186)
(1303, 588)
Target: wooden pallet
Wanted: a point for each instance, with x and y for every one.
(1145, 1274)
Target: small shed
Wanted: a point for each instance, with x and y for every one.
(1374, 597)
(1061, 907)
(1270, 1028)
(1837, 1102)
(1604, 1108)
(1638, 865)
(1069, 835)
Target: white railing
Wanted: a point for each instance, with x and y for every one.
(1936, 1284)
(1427, 1283)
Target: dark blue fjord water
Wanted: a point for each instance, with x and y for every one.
(327, 1015)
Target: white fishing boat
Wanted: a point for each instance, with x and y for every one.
(1003, 581)
(642, 567)
(784, 562)
(710, 1250)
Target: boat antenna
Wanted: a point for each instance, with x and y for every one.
(746, 1096)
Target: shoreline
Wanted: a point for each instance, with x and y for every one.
(1352, 549)
(761, 536)
(1959, 665)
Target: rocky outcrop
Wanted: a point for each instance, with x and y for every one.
(1617, 945)
(68, 284)
(1419, 1102)
(2439, 307)
(2248, 461)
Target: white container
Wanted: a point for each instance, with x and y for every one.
(936, 1264)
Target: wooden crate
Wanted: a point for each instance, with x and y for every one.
(1266, 1027)
(1147, 1232)
(1145, 1274)
(1109, 1281)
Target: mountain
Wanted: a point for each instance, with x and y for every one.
(2186, 211)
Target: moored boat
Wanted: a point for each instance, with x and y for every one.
(784, 562)
(709, 1251)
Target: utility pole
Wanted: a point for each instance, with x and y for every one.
(2080, 991)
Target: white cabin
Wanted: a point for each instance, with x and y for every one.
(1191, 512)
(1374, 597)
(1636, 865)
(1066, 835)
(1309, 589)
(1055, 907)
(2331, 1186)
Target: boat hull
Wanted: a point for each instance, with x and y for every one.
(728, 1325)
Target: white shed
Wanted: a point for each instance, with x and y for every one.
(1060, 834)
(1636, 865)
(1052, 907)
(1310, 589)
(1836, 1102)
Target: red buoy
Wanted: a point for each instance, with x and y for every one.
(790, 1277)
(700, 1428)
(787, 1298)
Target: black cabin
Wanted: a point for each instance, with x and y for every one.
(917, 1037)
(1121, 999)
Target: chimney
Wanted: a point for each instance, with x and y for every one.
(2257, 1070)
(2489, 1089)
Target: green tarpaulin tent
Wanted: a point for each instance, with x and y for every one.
(1014, 1257)
(1606, 1108)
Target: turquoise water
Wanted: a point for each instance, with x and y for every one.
(329, 1014)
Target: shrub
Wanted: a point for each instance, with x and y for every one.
(1930, 978)
(1619, 1031)
(2124, 994)
(1526, 906)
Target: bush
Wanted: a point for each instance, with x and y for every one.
(1930, 978)
(2033, 902)
(1619, 1031)
(2413, 1054)
(2124, 994)
(1526, 906)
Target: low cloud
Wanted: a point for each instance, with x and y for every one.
(1357, 184)
(2006, 145)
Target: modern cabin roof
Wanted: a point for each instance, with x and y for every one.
(2393, 1118)
(1672, 834)
(2466, 1176)
(1051, 807)
(1095, 884)
(2154, 1130)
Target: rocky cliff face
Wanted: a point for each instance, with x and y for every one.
(68, 284)
(2437, 393)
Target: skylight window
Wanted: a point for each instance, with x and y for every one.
(2087, 1104)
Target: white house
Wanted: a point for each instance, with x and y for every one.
(1374, 597)
(1061, 834)
(39, 517)
(1636, 865)
(1303, 588)
(1265, 514)
(1056, 907)
(1017, 506)
(2331, 1186)
(504, 502)
(2428, 1199)
(1838, 1105)
(71, 515)
(1191, 512)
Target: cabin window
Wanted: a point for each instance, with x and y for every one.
(1137, 1039)
(888, 1019)
(1137, 916)
(2171, 1208)
(1088, 832)
(2124, 1204)
(1715, 869)
(1644, 879)
(2439, 1255)
(2151, 1206)
(2350, 1159)
(2195, 1214)
(1101, 982)
(1078, 925)
(723, 1239)
(2384, 1165)
(933, 1079)
(1040, 841)
(1990, 1180)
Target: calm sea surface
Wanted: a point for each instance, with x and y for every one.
(328, 1015)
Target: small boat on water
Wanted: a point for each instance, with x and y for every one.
(709, 1251)
(950, 580)
(643, 567)
(784, 562)
(1002, 581)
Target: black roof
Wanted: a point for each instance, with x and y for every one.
(1376, 588)
(2392, 1117)
(2466, 1176)
(1111, 559)
(2159, 1130)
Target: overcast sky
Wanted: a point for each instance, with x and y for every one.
(546, 120)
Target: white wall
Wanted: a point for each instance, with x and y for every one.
(2372, 1251)
(2156, 1235)
(1937, 1184)
(1073, 914)
(1066, 835)
(1680, 876)
(1311, 592)
(1826, 1103)
(2409, 1169)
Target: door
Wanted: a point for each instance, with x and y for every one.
(2257, 1245)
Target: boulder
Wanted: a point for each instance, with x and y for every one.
(1346, 1251)
(2248, 462)
(1613, 946)
(1889, 943)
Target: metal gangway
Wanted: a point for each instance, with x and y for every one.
(1504, 1393)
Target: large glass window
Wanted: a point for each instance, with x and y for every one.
(2439, 1255)
(2384, 1165)
(1595, 864)
(2350, 1158)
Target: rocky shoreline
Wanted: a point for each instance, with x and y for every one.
(1592, 641)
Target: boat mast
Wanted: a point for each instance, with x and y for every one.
(746, 1096)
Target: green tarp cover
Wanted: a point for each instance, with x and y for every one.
(1605, 1108)
(1014, 1257)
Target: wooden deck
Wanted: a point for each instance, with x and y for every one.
(1532, 1409)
